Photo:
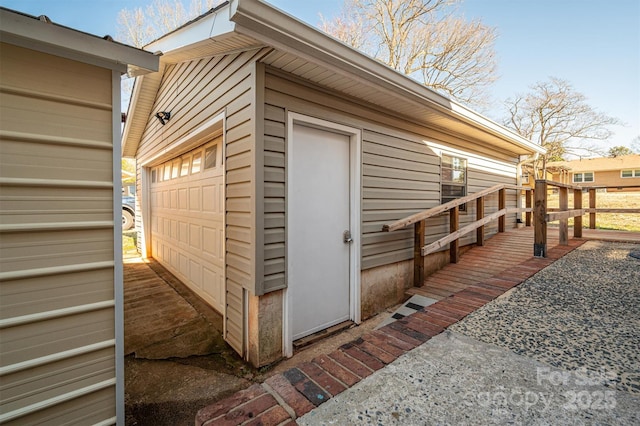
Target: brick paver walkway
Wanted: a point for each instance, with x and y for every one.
(284, 397)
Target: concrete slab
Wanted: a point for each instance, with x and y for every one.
(454, 379)
(167, 392)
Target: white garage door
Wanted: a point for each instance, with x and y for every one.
(187, 220)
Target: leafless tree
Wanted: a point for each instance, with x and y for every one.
(559, 118)
(139, 26)
(424, 39)
(635, 144)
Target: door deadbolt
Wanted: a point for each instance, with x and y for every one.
(346, 237)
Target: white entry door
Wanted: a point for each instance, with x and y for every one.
(319, 212)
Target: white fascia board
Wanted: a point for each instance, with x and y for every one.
(29, 32)
(283, 31)
(209, 26)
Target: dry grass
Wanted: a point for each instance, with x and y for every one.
(610, 200)
(129, 248)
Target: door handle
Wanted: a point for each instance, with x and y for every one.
(346, 237)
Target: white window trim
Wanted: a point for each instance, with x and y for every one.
(633, 173)
(573, 177)
(466, 177)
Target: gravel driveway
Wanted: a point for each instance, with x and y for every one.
(582, 312)
(561, 348)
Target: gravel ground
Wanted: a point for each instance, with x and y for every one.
(580, 313)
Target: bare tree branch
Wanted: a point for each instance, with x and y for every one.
(138, 27)
(423, 39)
(557, 117)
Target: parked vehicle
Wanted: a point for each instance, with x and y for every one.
(128, 212)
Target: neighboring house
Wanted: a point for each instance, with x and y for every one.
(610, 172)
(528, 176)
(61, 320)
(269, 157)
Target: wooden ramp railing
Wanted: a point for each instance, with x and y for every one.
(420, 250)
(543, 215)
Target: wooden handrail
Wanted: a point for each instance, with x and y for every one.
(610, 187)
(426, 214)
(544, 215)
(565, 214)
(611, 210)
(418, 220)
(564, 185)
(436, 245)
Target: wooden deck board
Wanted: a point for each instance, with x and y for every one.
(500, 252)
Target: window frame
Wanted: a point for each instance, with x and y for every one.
(635, 173)
(582, 179)
(443, 182)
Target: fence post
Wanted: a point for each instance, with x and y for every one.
(564, 223)
(454, 221)
(418, 259)
(528, 196)
(540, 216)
(480, 215)
(501, 205)
(592, 205)
(577, 221)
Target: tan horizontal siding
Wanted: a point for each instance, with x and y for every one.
(57, 316)
(194, 91)
(274, 197)
(234, 317)
(400, 172)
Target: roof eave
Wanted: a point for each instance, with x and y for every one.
(215, 23)
(261, 21)
(28, 31)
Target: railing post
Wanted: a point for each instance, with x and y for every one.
(540, 216)
(528, 197)
(564, 223)
(454, 221)
(577, 221)
(501, 205)
(592, 205)
(418, 259)
(480, 215)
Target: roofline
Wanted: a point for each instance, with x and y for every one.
(276, 28)
(267, 23)
(606, 168)
(42, 34)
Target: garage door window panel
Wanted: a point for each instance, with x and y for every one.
(190, 237)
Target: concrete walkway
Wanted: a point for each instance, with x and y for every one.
(378, 379)
(454, 379)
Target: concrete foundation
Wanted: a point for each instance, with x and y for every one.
(265, 328)
(385, 286)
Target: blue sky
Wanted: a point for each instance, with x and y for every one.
(595, 45)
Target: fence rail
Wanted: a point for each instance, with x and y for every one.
(543, 215)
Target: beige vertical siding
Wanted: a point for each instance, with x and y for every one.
(194, 92)
(400, 171)
(57, 325)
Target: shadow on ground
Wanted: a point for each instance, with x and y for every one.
(176, 359)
